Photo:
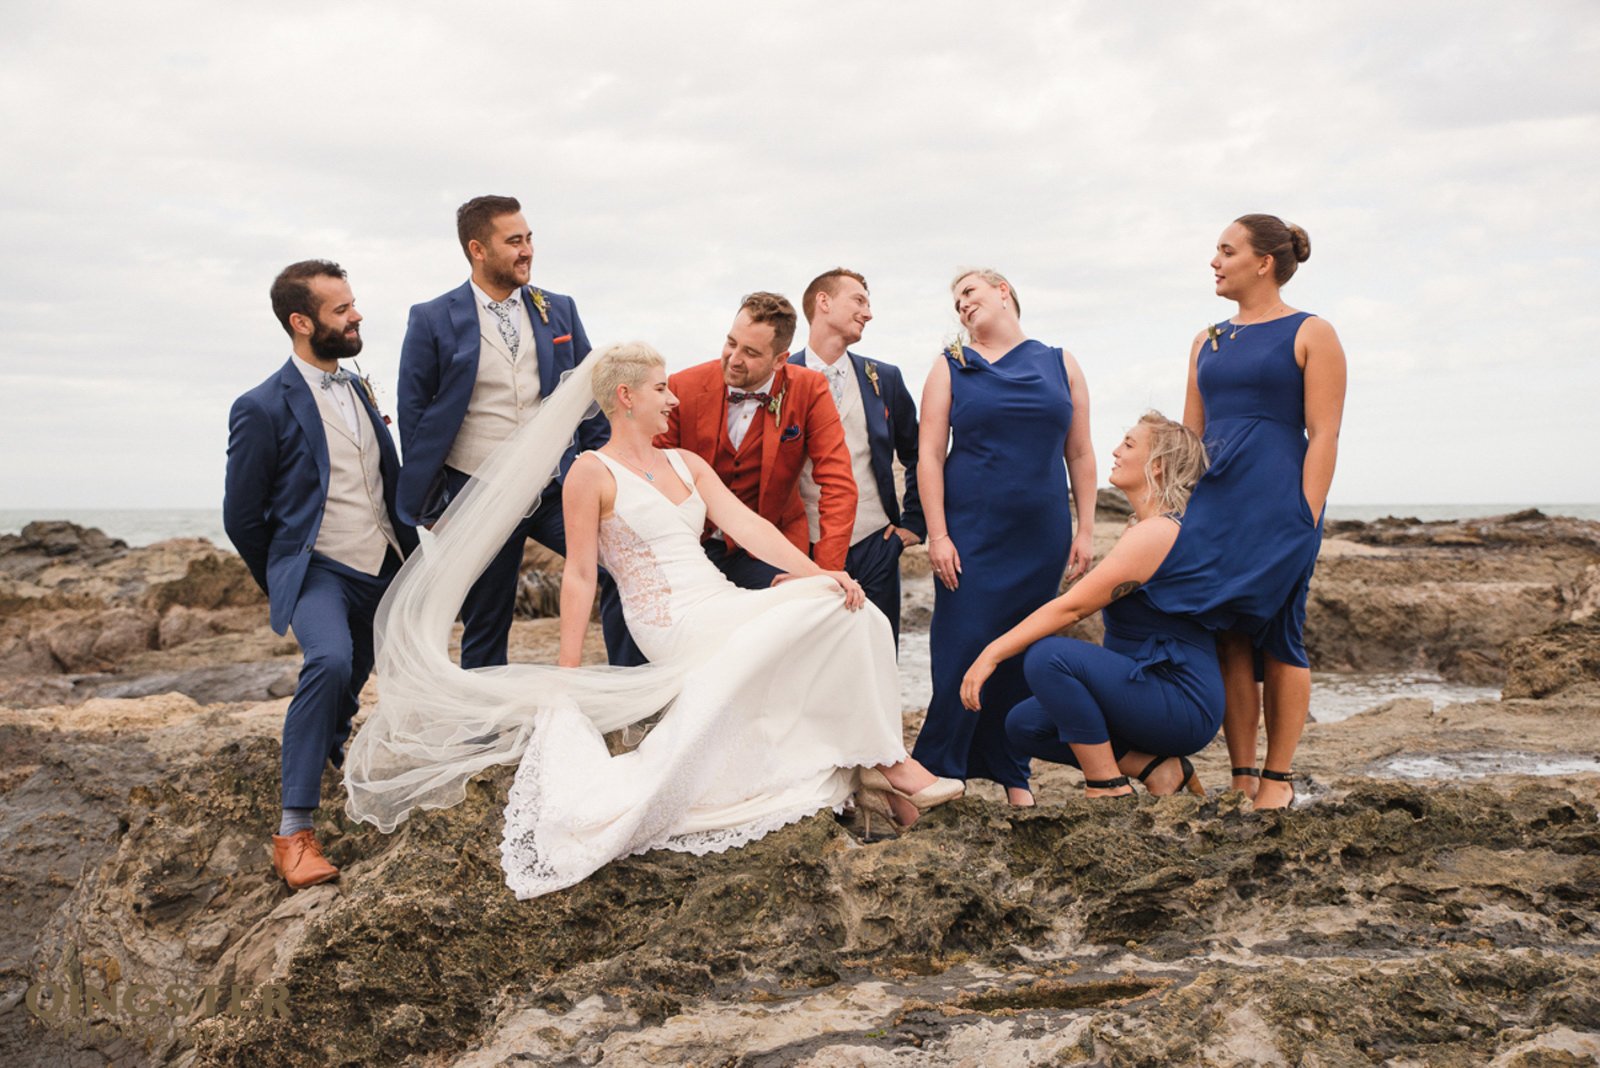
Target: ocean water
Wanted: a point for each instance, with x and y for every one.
(144, 526)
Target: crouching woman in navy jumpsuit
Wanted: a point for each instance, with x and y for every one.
(1153, 693)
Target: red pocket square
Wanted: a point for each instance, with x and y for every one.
(559, 340)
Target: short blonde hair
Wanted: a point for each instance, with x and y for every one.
(1181, 456)
(622, 364)
(994, 278)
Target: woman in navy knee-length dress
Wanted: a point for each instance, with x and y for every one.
(1000, 534)
(1266, 389)
(1152, 694)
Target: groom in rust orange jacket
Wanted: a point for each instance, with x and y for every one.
(756, 419)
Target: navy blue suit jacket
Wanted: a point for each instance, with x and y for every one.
(438, 368)
(277, 484)
(891, 431)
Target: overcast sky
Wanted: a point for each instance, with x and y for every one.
(164, 160)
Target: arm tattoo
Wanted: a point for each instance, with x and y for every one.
(1124, 589)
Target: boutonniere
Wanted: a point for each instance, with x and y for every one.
(371, 391)
(1213, 333)
(775, 404)
(872, 376)
(955, 353)
(541, 306)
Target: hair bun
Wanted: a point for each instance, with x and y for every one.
(1301, 242)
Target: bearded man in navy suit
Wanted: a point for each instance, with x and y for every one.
(310, 505)
(474, 366)
(880, 423)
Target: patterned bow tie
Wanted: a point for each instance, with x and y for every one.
(330, 378)
(736, 397)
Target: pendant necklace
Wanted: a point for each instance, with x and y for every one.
(1240, 326)
(648, 477)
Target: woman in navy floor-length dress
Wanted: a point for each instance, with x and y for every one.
(1266, 391)
(1000, 531)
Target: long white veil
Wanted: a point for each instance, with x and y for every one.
(436, 725)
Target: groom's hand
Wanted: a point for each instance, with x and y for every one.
(909, 537)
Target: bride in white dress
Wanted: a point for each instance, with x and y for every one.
(778, 703)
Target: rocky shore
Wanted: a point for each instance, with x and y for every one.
(1386, 919)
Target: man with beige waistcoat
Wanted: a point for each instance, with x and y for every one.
(310, 505)
(474, 366)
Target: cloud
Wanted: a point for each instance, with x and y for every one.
(169, 159)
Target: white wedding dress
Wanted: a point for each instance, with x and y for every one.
(768, 699)
(784, 694)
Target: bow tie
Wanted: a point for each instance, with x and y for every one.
(330, 378)
(736, 397)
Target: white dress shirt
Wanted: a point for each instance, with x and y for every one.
(741, 415)
(340, 392)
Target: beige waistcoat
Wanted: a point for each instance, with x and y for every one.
(355, 524)
(505, 395)
(870, 515)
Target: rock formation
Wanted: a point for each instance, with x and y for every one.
(1447, 920)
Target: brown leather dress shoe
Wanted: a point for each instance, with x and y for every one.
(299, 860)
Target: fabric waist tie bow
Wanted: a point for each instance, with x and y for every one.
(734, 397)
(331, 378)
(1157, 649)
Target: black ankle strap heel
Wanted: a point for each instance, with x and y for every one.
(1109, 784)
(1281, 776)
(1254, 773)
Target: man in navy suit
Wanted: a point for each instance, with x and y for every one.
(310, 505)
(474, 366)
(880, 423)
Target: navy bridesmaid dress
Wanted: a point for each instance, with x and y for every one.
(1249, 543)
(1006, 508)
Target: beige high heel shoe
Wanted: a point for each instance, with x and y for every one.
(875, 803)
(933, 795)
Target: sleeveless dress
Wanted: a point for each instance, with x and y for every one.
(1006, 508)
(784, 694)
(1249, 543)
(1154, 686)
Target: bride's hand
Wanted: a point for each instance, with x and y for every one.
(945, 560)
(854, 595)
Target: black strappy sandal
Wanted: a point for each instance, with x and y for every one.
(1108, 784)
(1280, 776)
(1188, 782)
(1245, 773)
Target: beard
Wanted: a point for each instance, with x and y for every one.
(502, 277)
(329, 344)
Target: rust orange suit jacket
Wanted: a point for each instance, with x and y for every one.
(806, 427)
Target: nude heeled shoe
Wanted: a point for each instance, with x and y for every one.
(933, 795)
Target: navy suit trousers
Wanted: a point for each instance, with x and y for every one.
(742, 569)
(491, 602)
(875, 563)
(332, 621)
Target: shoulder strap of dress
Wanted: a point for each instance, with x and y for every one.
(681, 466)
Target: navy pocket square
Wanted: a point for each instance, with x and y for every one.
(790, 432)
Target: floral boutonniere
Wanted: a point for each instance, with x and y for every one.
(955, 352)
(775, 404)
(541, 306)
(1213, 333)
(872, 376)
(371, 392)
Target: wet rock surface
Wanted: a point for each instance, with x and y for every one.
(1446, 921)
